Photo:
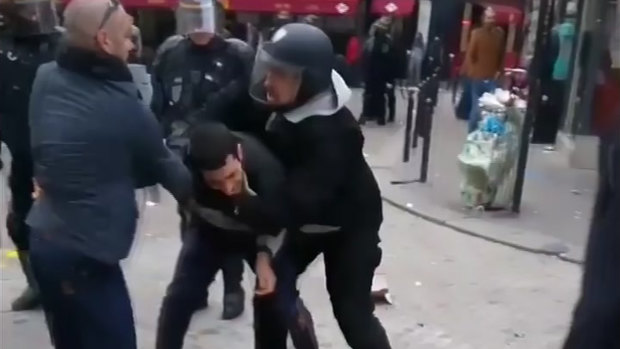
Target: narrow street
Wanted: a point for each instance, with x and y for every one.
(450, 290)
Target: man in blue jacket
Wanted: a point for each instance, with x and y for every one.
(93, 143)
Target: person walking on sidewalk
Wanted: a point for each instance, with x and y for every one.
(93, 143)
(483, 62)
(379, 62)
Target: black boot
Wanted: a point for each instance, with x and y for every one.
(29, 299)
(234, 304)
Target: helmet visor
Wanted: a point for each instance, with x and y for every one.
(34, 16)
(274, 81)
(198, 16)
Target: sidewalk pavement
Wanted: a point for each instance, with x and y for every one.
(557, 199)
(523, 301)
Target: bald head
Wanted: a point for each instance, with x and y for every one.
(99, 25)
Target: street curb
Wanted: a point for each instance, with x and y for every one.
(444, 223)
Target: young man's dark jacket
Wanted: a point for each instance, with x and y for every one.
(329, 184)
(93, 143)
(194, 83)
(258, 212)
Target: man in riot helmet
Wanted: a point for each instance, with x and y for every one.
(29, 40)
(331, 194)
(199, 76)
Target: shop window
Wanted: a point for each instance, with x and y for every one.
(606, 101)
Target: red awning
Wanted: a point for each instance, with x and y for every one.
(150, 3)
(144, 3)
(317, 7)
(393, 7)
(505, 11)
(507, 14)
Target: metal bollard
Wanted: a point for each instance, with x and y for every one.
(426, 146)
(409, 124)
(419, 112)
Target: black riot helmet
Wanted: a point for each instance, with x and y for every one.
(30, 17)
(296, 49)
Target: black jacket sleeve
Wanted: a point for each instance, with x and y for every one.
(157, 102)
(153, 160)
(315, 183)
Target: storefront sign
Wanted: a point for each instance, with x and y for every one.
(393, 7)
(342, 8)
(297, 7)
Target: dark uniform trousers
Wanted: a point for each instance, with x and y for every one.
(351, 257)
(201, 257)
(20, 183)
(231, 265)
(391, 101)
(86, 301)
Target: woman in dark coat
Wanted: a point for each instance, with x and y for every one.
(378, 69)
(596, 320)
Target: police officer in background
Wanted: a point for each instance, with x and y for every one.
(199, 76)
(331, 194)
(30, 40)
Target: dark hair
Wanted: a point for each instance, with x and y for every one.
(596, 319)
(209, 146)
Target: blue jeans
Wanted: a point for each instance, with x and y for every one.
(478, 88)
(463, 108)
(86, 302)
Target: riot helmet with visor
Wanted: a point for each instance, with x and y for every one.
(199, 16)
(294, 66)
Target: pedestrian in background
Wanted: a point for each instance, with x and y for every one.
(353, 58)
(483, 62)
(379, 69)
(30, 38)
(93, 143)
(596, 319)
(416, 58)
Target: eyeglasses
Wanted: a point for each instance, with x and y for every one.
(113, 5)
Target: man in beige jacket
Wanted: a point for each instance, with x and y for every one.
(483, 62)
